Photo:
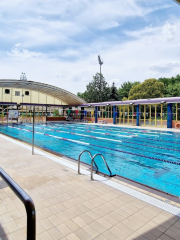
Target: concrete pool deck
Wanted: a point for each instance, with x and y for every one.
(71, 206)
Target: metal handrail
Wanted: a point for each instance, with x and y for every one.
(27, 201)
(90, 157)
(93, 161)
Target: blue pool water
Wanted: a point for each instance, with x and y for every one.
(150, 157)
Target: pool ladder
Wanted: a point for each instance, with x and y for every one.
(93, 161)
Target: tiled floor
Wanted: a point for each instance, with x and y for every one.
(70, 206)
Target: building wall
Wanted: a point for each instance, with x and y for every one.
(33, 97)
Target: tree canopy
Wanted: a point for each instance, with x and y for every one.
(114, 96)
(98, 90)
(171, 86)
(150, 88)
(123, 91)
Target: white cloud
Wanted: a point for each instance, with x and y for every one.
(22, 54)
(57, 42)
(169, 30)
(17, 45)
(108, 25)
(164, 67)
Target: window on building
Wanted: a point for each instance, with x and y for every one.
(7, 91)
(17, 93)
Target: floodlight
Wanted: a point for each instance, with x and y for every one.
(108, 104)
(100, 61)
(131, 103)
(163, 102)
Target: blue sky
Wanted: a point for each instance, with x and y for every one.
(58, 41)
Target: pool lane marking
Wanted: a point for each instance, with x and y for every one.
(83, 135)
(94, 132)
(155, 146)
(120, 187)
(65, 139)
(135, 134)
(135, 154)
(167, 154)
(123, 140)
(76, 141)
(136, 131)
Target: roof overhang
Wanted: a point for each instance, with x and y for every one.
(46, 105)
(53, 91)
(8, 103)
(135, 102)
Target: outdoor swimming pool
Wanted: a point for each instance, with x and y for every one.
(150, 157)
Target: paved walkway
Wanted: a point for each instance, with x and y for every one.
(71, 207)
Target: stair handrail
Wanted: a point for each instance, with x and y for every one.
(93, 161)
(79, 158)
(27, 201)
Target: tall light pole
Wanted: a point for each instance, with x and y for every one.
(100, 63)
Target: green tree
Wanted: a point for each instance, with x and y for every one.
(123, 91)
(171, 86)
(173, 90)
(113, 93)
(97, 89)
(150, 88)
(124, 99)
(81, 95)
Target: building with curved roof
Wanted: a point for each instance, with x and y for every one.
(30, 92)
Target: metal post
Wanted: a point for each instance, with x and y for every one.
(176, 112)
(7, 114)
(155, 115)
(144, 115)
(100, 85)
(22, 113)
(2, 115)
(38, 114)
(119, 113)
(96, 114)
(137, 115)
(150, 115)
(100, 63)
(114, 115)
(26, 113)
(30, 114)
(169, 115)
(33, 132)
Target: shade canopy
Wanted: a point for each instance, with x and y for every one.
(135, 102)
(53, 91)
